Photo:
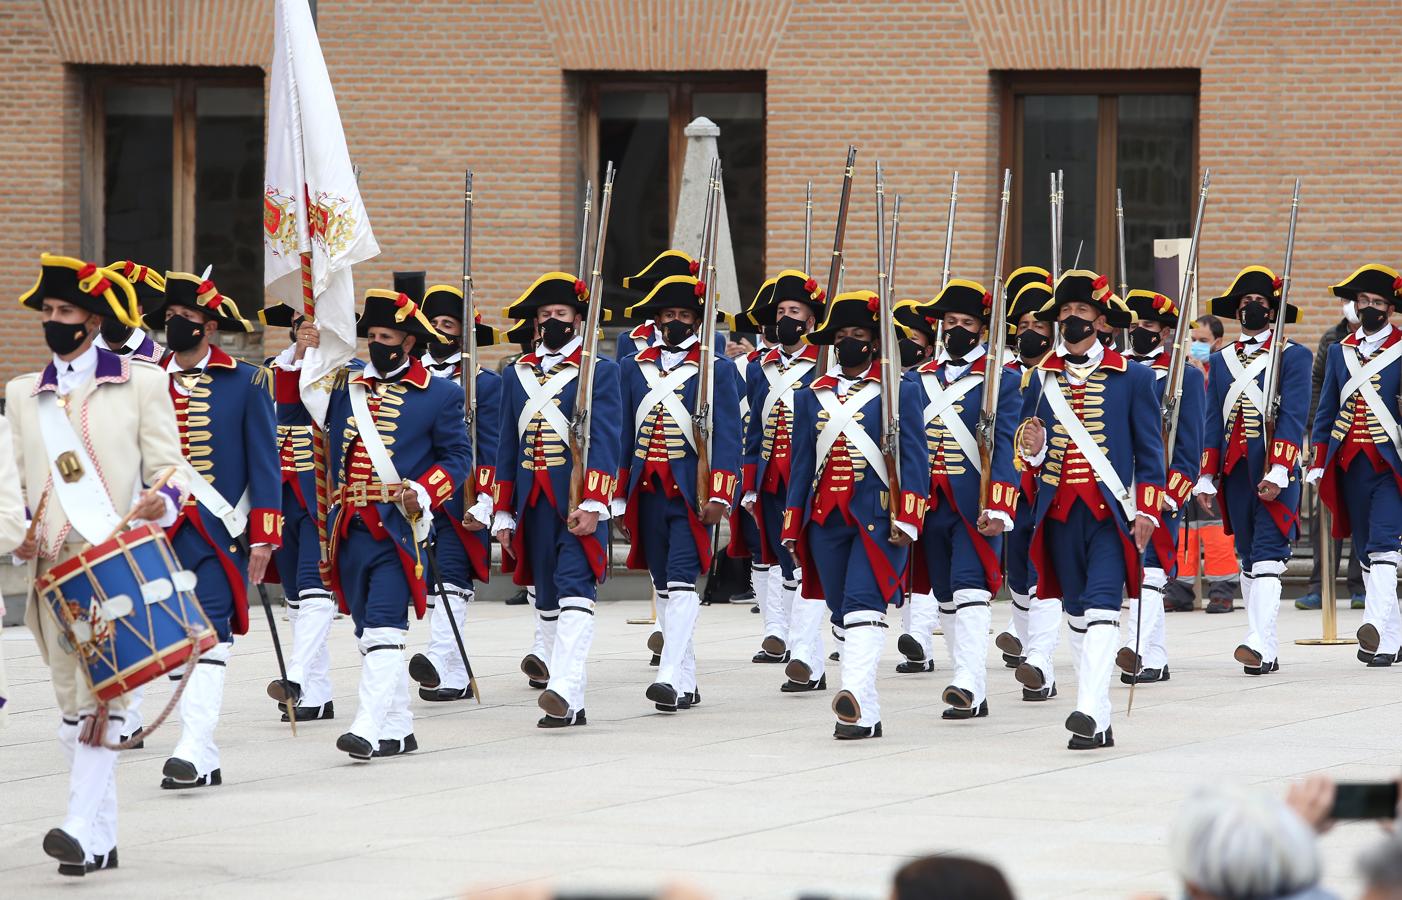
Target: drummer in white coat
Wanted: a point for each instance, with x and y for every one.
(89, 431)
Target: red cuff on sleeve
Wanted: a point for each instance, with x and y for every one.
(286, 386)
(597, 486)
(747, 477)
(723, 486)
(1320, 451)
(793, 516)
(439, 485)
(265, 527)
(485, 476)
(911, 510)
(1283, 453)
(620, 485)
(502, 492)
(1002, 497)
(1179, 487)
(1149, 497)
(1211, 462)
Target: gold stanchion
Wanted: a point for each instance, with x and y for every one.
(650, 620)
(1325, 528)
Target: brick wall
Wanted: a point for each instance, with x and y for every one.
(429, 88)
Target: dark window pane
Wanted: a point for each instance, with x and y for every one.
(741, 146)
(633, 133)
(1058, 132)
(1155, 153)
(228, 190)
(137, 155)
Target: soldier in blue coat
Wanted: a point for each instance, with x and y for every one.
(665, 265)
(461, 539)
(851, 535)
(957, 558)
(548, 542)
(1356, 441)
(787, 307)
(1260, 484)
(667, 516)
(396, 452)
(1151, 344)
(224, 409)
(298, 562)
(127, 340)
(1091, 430)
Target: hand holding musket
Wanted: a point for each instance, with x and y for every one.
(1182, 333)
(1271, 395)
(589, 354)
(997, 342)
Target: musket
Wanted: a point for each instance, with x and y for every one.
(890, 360)
(949, 228)
(1061, 217)
(808, 229)
(1124, 266)
(895, 234)
(703, 418)
(589, 349)
(584, 231)
(1055, 250)
(1272, 392)
(468, 374)
(1182, 332)
(997, 344)
(835, 267)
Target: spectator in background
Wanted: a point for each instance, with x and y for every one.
(1312, 598)
(950, 878)
(1381, 868)
(1204, 537)
(1235, 844)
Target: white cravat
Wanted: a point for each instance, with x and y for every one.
(443, 369)
(549, 359)
(175, 368)
(955, 368)
(1093, 357)
(1368, 344)
(371, 372)
(133, 341)
(74, 373)
(1251, 344)
(672, 358)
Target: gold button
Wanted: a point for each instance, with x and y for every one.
(871, 528)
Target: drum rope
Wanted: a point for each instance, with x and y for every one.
(149, 730)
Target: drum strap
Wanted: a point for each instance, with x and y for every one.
(369, 434)
(80, 491)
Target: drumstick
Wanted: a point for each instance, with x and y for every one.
(38, 515)
(149, 492)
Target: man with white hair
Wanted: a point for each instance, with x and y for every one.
(1381, 868)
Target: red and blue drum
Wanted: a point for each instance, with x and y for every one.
(128, 610)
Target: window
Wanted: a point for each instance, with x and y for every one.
(1136, 131)
(173, 174)
(638, 122)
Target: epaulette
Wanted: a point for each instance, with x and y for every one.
(342, 378)
(261, 378)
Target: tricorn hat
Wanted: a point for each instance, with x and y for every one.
(963, 296)
(917, 315)
(852, 309)
(400, 309)
(99, 290)
(551, 289)
(790, 284)
(1373, 278)
(1031, 297)
(664, 265)
(1251, 280)
(673, 292)
(1085, 286)
(1151, 306)
(447, 300)
(1022, 277)
(149, 284)
(191, 291)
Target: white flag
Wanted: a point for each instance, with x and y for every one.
(311, 203)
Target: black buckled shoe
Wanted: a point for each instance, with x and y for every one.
(101, 861)
(655, 642)
(443, 695)
(663, 696)
(909, 667)
(562, 721)
(798, 670)
(845, 732)
(1381, 661)
(1365, 657)
(909, 647)
(535, 669)
(285, 692)
(1263, 669)
(834, 656)
(1040, 694)
(656, 660)
(355, 745)
(803, 687)
(956, 713)
(139, 743)
(1145, 676)
(424, 673)
(65, 848)
(181, 775)
(1010, 645)
(397, 747)
(1097, 741)
(1128, 661)
(1029, 676)
(693, 698)
(846, 707)
(1368, 638)
(538, 685)
(957, 697)
(553, 704)
(311, 713)
(1249, 659)
(764, 656)
(774, 646)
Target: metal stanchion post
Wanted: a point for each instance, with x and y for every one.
(1324, 528)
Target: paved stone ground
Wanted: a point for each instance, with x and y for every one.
(747, 795)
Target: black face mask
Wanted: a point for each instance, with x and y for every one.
(1106, 338)
(182, 334)
(1255, 316)
(771, 334)
(1031, 344)
(64, 337)
(386, 357)
(441, 350)
(1143, 342)
(911, 353)
(852, 353)
(958, 342)
(789, 330)
(556, 333)
(674, 332)
(115, 334)
(1075, 329)
(1371, 318)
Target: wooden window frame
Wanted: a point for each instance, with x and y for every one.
(184, 81)
(1108, 85)
(679, 88)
